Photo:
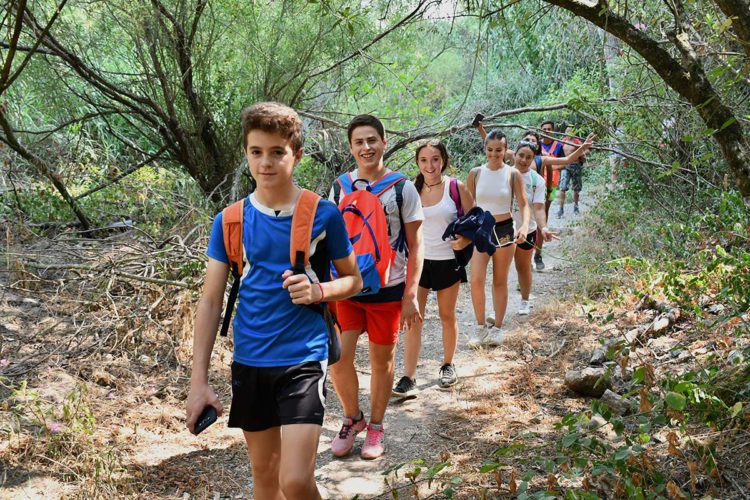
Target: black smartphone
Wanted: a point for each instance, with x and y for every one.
(479, 118)
(207, 417)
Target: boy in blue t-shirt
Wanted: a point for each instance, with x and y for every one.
(280, 346)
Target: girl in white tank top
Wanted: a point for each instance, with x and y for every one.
(492, 184)
(436, 219)
(440, 271)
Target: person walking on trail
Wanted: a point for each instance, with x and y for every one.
(382, 314)
(280, 342)
(546, 166)
(483, 133)
(572, 174)
(534, 185)
(493, 186)
(443, 200)
(554, 149)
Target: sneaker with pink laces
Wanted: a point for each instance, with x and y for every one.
(343, 443)
(374, 445)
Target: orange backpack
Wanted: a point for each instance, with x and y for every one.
(299, 258)
(367, 225)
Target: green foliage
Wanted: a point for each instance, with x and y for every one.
(153, 198)
(420, 470)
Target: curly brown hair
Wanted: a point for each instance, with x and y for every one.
(272, 117)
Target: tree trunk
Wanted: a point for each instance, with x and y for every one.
(739, 12)
(44, 169)
(687, 78)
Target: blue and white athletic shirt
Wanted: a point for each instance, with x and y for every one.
(269, 330)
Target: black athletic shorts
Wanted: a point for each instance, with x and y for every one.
(266, 397)
(530, 241)
(440, 274)
(503, 234)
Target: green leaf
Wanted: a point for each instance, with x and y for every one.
(736, 409)
(676, 401)
(638, 375)
(569, 439)
(622, 454)
(489, 467)
(728, 123)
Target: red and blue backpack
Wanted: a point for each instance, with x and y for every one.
(367, 225)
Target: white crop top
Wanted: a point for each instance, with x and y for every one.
(493, 190)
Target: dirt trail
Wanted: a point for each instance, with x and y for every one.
(439, 421)
(501, 393)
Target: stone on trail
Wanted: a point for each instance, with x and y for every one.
(659, 326)
(588, 382)
(598, 357)
(632, 335)
(619, 405)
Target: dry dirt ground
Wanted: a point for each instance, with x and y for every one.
(139, 446)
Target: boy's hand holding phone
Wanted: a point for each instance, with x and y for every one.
(200, 398)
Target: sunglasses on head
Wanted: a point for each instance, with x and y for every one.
(527, 144)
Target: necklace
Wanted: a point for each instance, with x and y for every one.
(430, 186)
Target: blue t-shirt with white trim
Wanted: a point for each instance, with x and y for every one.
(269, 330)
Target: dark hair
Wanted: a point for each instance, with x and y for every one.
(365, 121)
(548, 122)
(495, 135)
(437, 144)
(275, 118)
(528, 144)
(533, 133)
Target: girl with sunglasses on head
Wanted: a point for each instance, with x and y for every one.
(441, 271)
(494, 185)
(524, 157)
(545, 165)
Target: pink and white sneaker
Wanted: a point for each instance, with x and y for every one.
(343, 443)
(374, 446)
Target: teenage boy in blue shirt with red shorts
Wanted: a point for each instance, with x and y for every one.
(383, 314)
(280, 346)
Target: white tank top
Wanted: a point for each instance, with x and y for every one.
(493, 190)
(436, 219)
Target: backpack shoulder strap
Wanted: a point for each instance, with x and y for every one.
(343, 183)
(456, 196)
(302, 224)
(231, 226)
(299, 242)
(336, 191)
(388, 181)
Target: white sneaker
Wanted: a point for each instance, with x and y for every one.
(525, 308)
(478, 335)
(494, 338)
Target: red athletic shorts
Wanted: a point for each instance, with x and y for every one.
(381, 320)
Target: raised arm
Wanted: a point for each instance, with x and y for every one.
(560, 163)
(482, 131)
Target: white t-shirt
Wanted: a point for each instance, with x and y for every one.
(411, 211)
(535, 191)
